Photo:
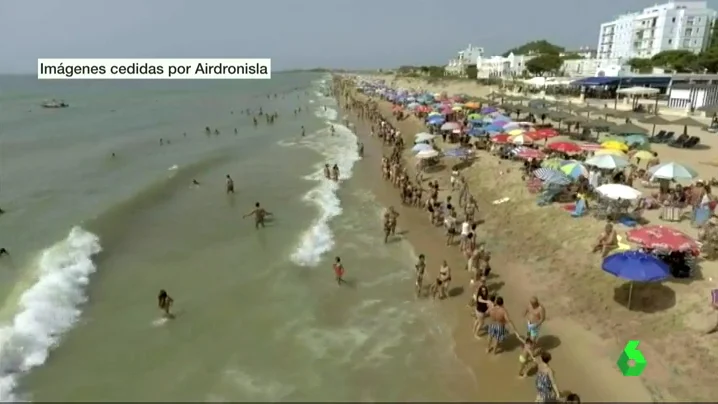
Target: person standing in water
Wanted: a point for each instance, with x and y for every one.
(230, 185)
(335, 173)
(303, 131)
(338, 271)
(259, 215)
(420, 268)
(164, 301)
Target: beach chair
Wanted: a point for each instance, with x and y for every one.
(658, 138)
(667, 138)
(679, 141)
(691, 142)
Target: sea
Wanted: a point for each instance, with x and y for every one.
(99, 216)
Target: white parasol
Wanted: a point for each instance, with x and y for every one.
(672, 171)
(607, 161)
(427, 154)
(423, 137)
(618, 191)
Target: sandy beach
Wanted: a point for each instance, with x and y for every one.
(587, 325)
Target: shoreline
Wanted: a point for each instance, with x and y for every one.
(574, 347)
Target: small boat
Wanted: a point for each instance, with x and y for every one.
(55, 104)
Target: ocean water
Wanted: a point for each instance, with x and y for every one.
(93, 238)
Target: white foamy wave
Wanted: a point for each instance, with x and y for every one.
(329, 113)
(342, 150)
(48, 309)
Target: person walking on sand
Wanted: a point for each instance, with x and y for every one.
(259, 215)
(499, 328)
(441, 287)
(338, 271)
(547, 390)
(535, 315)
(229, 185)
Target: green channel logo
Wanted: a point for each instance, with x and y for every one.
(631, 354)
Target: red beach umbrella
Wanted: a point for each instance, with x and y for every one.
(565, 147)
(501, 138)
(527, 153)
(545, 133)
(662, 237)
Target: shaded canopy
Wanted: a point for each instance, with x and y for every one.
(628, 129)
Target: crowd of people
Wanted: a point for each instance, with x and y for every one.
(458, 220)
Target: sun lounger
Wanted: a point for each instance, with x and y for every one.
(667, 138)
(680, 141)
(691, 142)
(658, 138)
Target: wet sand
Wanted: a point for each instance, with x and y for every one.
(584, 362)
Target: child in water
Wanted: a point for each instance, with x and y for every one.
(164, 301)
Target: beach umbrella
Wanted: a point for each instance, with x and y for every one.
(501, 138)
(435, 120)
(655, 120)
(434, 113)
(423, 137)
(673, 171)
(663, 238)
(413, 105)
(642, 155)
(456, 109)
(512, 126)
(488, 110)
(493, 128)
(527, 153)
(427, 154)
(472, 105)
(553, 163)
(515, 132)
(612, 152)
(421, 147)
(636, 140)
(618, 191)
(521, 139)
(450, 126)
(574, 169)
(475, 116)
(476, 122)
(458, 105)
(545, 133)
(612, 144)
(686, 122)
(459, 152)
(628, 129)
(599, 125)
(607, 161)
(551, 176)
(564, 147)
(635, 266)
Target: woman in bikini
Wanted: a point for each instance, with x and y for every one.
(441, 287)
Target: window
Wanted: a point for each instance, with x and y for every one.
(673, 19)
(670, 41)
(688, 32)
(686, 43)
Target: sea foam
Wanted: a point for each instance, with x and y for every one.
(48, 309)
(340, 149)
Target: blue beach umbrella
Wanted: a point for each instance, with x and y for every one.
(488, 110)
(493, 128)
(635, 266)
(436, 120)
(476, 121)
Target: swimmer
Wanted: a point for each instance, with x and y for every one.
(235, 131)
(327, 172)
(303, 132)
(3, 251)
(195, 183)
(259, 215)
(164, 301)
(230, 185)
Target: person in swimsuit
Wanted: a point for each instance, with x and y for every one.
(499, 328)
(335, 173)
(259, 215)
(441, 287)
(483, 303)
(528, 352)
(546, 388)
(338, 271)
(420, 268)
(327, 172)
(164, 301)
(230, 185)
(535, 315)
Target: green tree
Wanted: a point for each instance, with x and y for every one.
(572, 56)
(679, 61)
(540, 47)
(641, 65)
(708, 60)
(546, 63)
(471, 71)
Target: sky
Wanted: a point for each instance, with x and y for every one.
(295, 34)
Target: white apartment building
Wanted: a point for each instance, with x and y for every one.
(501, 67)
(457, 66)
(592, 67)
(684, 25)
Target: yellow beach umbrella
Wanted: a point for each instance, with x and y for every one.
(642, 155)
(434, 113)
(456, 108)
(472, 105)
(614, 145)
(521, 139)
(515, 132)
(612, 152)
